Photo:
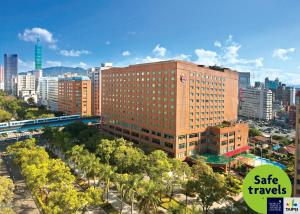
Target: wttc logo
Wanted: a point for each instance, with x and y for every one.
(291, 205)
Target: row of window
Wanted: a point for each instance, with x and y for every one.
(140, 73)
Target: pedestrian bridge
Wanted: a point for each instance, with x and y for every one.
(29, 125)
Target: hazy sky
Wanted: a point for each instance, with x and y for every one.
(250, 35)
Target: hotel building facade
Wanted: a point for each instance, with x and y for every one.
(172, 106)
(297, 142)
(74, 95)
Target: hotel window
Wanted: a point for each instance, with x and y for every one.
(181, 145)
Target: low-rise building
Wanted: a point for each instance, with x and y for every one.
(227, 139)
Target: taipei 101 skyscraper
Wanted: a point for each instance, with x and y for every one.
(38, 55)
(38, 73)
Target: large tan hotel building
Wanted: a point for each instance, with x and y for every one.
(176, 106)
(297, 142)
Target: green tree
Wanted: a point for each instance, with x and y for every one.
(148, 198)
(94, 196)
(65, 199)
(209, 189)
(254, 132)
(232, 185)
(107, 174)
(201, 168)
(89, 164)
(75, 154)
(105, 150)
(5, 116)
(6, 191)
(131, 188)
(7, 210)
(121, 181)
(31, 101)
(158, 166)
(128, 159)
(58, 172)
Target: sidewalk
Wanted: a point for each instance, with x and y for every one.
(23, 202)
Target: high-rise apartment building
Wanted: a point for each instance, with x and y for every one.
(74, 95)
(48, 92)
(272, 84)
(285, 95)
(256, 102)
(244, 79)
(1, 78)
(95, 76)
(169, 105)
(10, 71)
(297, 155)
(26, 82)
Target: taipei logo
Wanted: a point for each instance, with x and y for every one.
(291, 206)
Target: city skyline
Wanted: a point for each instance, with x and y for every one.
(261, 39)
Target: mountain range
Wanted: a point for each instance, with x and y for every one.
(60, 70)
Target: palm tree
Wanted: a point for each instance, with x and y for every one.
(89, 164)
(132, 188)
(107, 172)
(148, 197)
(121, 181)
(75, 154)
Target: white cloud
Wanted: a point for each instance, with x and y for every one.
(81, 64)
(159, 50)
(31, 35)
(74, 53)
(107, 42)
(217, 44)
(231, 53)
(206, 57)
(282, 53)
(50, 63)
(125, 53)
(150, 59)
(183, 57)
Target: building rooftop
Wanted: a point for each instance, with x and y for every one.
(212, 159)
(214, 67)
(77, 78)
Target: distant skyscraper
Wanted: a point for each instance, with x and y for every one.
(10, 71)
(272, 84)
(244, 79)
(1, 78)
(38, 55)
